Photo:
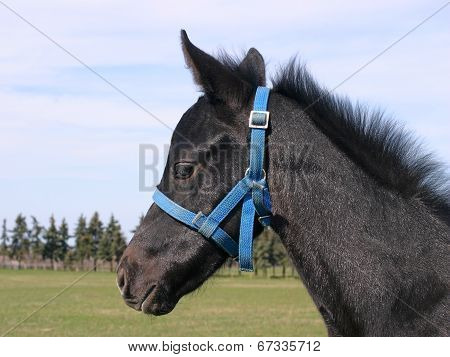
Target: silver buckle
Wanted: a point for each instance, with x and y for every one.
(262, 217)
(263, 172)
(197, 217)
(259, 113)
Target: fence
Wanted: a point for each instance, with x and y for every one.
(229, 269)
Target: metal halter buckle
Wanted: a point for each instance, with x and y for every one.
(259, 119)
(197, 217)
(260, 218)
(263, 173)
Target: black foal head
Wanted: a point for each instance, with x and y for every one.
(208, 155)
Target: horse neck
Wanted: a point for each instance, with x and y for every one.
(338, 225)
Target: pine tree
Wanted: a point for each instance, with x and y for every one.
(95, 230)
(141, 220)
(279, 254)
(105, 252)
(62, 244)
(83, 242)
(51, 242)
(19, 240)
(70, 258)
(36, 246)
(119, 243)
(269, 251)
(4, 240)
(262, 251)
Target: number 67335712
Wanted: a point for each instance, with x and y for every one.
(276, 345)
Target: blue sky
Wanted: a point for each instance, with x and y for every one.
(69, 143)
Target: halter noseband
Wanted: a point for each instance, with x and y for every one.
(252, 190)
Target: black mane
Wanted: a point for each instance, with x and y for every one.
(383, 148)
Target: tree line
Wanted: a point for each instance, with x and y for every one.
(30, 244)
(269, 253)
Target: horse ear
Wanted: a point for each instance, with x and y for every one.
(253, 63)
(213, 77)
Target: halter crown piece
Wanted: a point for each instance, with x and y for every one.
(252, 190)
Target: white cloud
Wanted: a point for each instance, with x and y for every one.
(44, 111)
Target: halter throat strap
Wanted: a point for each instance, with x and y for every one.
(252, 190)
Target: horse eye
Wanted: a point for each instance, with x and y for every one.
(183, 170)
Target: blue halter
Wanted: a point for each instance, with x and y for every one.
(252, 190)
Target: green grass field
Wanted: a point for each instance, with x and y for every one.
(225, 306)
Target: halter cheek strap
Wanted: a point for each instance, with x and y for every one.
(252, 190)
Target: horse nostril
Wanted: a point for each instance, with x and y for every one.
(121, 280)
